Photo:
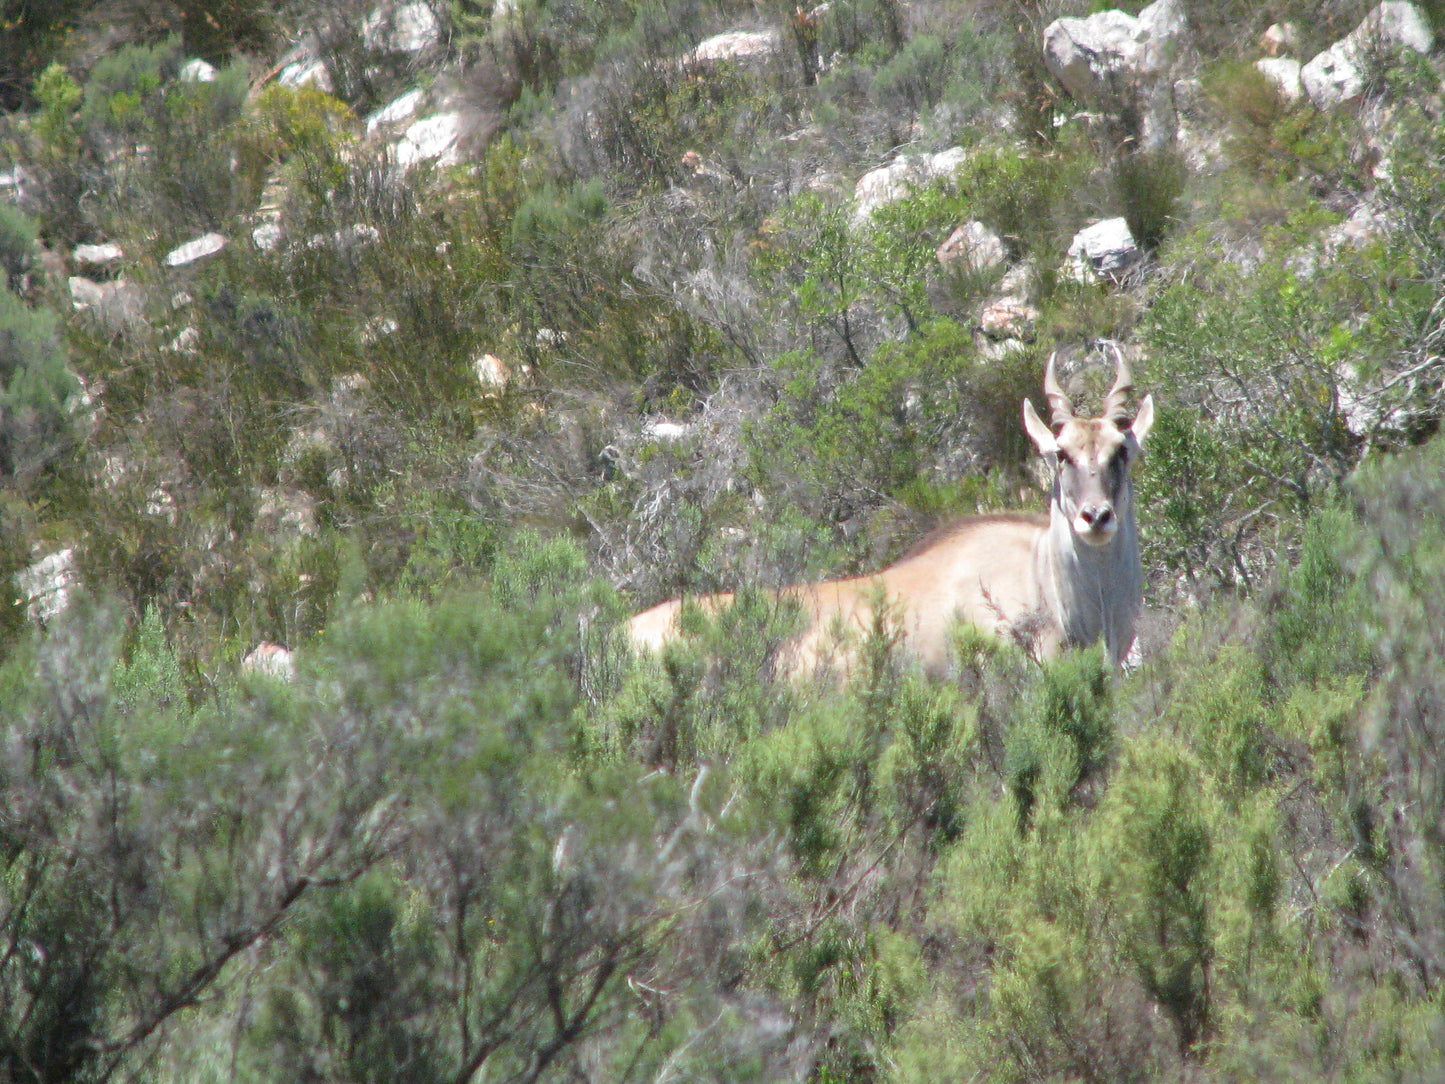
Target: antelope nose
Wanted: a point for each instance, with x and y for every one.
(1096, 517)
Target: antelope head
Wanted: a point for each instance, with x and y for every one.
(1092, 456)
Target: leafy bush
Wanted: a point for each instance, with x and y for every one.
(37, 419)
(17, 246)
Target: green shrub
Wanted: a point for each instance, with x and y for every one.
(914, 78)
(1149, 189)
(17, 246)
(37, 420)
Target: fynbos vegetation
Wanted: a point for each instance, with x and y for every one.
(364, 367)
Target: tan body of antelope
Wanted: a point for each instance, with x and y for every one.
(1066, 580)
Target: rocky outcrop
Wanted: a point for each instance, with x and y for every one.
(1120, 65)
(46, 586)
(892, 182)
(1103, 252)
(1336, 76)
(972, 247)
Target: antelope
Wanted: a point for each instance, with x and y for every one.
(1065, 580)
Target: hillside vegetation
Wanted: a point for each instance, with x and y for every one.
(339, 429)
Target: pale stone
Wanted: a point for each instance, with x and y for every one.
(1104, 250)
(1335, 77)
(493, 374)
(737, 44)
(1279, 39)
(207, 244)
(1009, 318)
(196, 70)
(434, 139)
(401, 109)
(187, 342)
(1283, 72)
(306, 72)
(46, 585)
(660, 429)
(973, 247)
(98, 255)
(270, 660)
(404, 28)
(1113, 61)
(267, 236)
(85, 294)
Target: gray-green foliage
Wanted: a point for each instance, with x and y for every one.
(37, 424)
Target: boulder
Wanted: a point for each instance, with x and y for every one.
(402, 28)
(98, 259)
(737, 45)
(1009, 318)
(303, 67)
(270, 660)
(117, 305)
(1279, 39)
(208, 244)
(1336, 76)
(1103, 251)
(46, 585)
(432, 139)
(1283, 72)
(1119, 64)
(399, 111)
(493, 374)
(972, 247)
(893, 181)
(196, 70)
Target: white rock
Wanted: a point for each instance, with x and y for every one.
(434, 139)
(13, 182)
(196, 70)
(973, 247)
(736, 44)
(1283, 72)
(267, 236)
(85, 294)
(1336, 76)
(1009, 318)
(1111, 60)
(401, 109)
(1395, 24)
(161, 504)
(306, 72)
(98, 255)
(947, 163)
(896, 179)
(270, 660)
(1333, 78)
(1104, 250)
(405, 28)
(46, 585)
(493, 374)
(886, 184)
(187, 342)
(663, 430)
(207, 244)
(361, 233)
(1279, 39)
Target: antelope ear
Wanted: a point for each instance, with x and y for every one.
(1143, 421)
(1038, 431)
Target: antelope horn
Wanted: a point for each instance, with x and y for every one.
(1063, 410)
(1116, 404)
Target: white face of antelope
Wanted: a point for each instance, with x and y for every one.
(1093, 457)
